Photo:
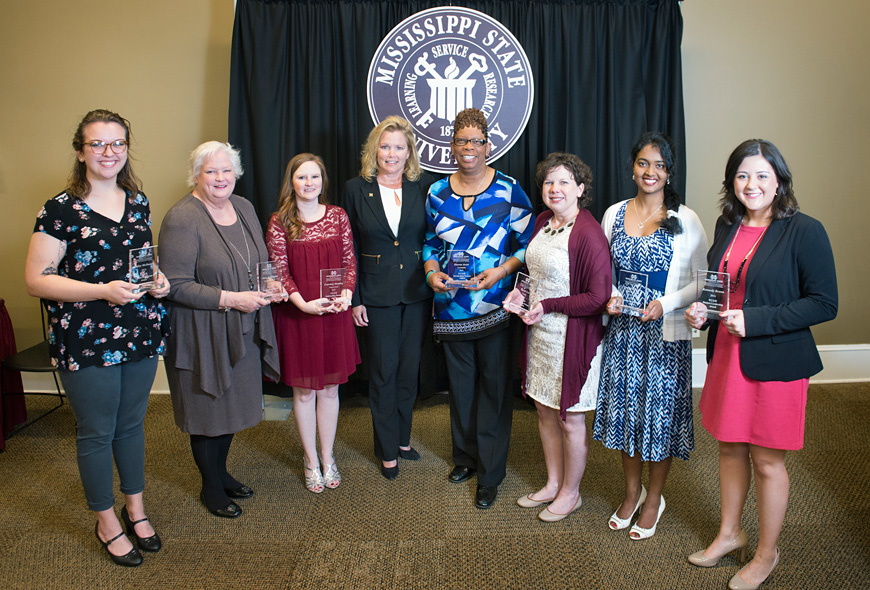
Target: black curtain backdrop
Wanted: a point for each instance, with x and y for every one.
(604, 72)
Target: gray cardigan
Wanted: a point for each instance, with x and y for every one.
(199, 264)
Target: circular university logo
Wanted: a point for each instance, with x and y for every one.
(442, 60)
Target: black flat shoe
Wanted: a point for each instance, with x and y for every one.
(409, 455)
(485, 496)
(240, 492)
(231, 510)
(460, 473)
(130, 559)
(151, 543)
(390, 473)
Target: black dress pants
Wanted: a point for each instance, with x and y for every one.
(394, 338)
(481, 408)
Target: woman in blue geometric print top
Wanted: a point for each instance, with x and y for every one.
(481, 211)
(645, 397)
(104, 334)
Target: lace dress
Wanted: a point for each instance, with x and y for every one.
(547, 261)
(315, 350)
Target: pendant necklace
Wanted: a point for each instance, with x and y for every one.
(636, 214)
(247, 262)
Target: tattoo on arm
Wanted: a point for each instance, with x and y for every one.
(51, 269)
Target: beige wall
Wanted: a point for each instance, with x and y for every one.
(794, 72)
(162, 64)
(791, 71)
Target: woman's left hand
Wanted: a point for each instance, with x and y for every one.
(162, 288)
(733, 320)
(534, 315)
(653, 311)
(488, 278)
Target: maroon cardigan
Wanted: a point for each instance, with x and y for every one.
(589, 267)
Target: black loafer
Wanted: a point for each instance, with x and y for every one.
(151, 543)
(409, 455)
(231, 510)
(240, 492)
(460, 473)
(390, 473)
(485, 496)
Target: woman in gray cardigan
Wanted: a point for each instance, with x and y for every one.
(223, 339)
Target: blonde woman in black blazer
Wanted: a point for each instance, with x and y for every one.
(760, 351)
(386, 208)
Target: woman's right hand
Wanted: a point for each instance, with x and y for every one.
(696, 315)
(513, 302)
(245, 301)
(360, 316)
(436, 281)
(121, 292)
(614, 306)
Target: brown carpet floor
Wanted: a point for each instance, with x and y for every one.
(421, 531)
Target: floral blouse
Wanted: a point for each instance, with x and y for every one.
(99, 333)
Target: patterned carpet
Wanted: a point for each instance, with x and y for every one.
(421, 531)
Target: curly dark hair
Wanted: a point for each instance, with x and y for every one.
(784, 203)
(577, 168)
(471, 117)
(79, 187)
(665, 146)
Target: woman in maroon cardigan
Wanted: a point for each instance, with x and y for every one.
(568, 261)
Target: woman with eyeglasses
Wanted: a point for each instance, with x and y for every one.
(104, 332)
(475, 216)
(760, 350)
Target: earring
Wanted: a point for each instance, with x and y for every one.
(632, 176)
(669, 180)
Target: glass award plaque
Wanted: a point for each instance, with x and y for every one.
(143, 268)
(331, 285)
(461, 269)
(633, 287)
(526, 287)
(270, 279)
(712, 293)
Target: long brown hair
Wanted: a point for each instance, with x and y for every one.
(288, 210)
(79, 187)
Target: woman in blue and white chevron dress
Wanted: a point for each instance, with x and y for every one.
(645, 393)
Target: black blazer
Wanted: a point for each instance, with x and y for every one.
(390, 266)
(791, 285)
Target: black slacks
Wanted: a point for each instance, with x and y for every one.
(394, 338)
(480, 406)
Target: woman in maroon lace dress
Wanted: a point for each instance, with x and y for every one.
(316, 339)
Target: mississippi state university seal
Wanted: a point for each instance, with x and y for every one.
(442, 60)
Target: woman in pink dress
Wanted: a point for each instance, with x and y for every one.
(316, 339)
(760, 350)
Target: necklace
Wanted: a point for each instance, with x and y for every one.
(247, 262)
(551, 230)
(736, 282)
(636, 214)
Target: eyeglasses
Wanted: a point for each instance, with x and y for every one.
(461, 141)
(119, 146)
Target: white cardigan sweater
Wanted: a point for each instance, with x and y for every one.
(690, 254)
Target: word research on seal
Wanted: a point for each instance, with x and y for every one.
(440, 61)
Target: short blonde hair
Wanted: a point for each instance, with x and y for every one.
(206, 151)
(369, 156)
